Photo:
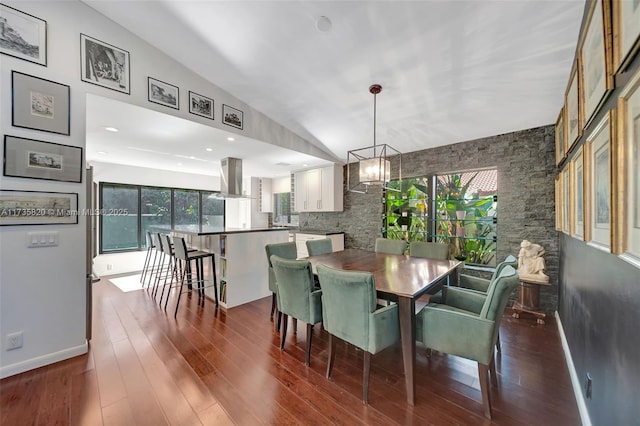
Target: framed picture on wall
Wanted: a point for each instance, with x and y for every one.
(104, 64)
(629, 164)
(566, 199)
(600, 158)
(30, 158)
(232, 117)
(560, 137)
(558, 199)
(163, 93)
(23, 36)
(594, 60)
(37, 208)
(572, 110)
(626, 32)
(40, 104)
(200, 105)
(577, 189)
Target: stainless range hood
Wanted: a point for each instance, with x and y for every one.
(231, 178)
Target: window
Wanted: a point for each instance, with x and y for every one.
(459, 209)
(130, 211)
(119, 221)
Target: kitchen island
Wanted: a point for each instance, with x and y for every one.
(240, 260)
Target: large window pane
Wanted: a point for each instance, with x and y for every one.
(156, 211)
(212, 212)
(119, 218)
(186, 210)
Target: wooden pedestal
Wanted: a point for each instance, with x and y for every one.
(529, 300)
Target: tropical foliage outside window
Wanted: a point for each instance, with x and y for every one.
(461, 211)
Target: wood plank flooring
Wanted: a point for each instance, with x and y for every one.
(213, 367)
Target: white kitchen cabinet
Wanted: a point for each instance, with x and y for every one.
(337, 242)
(319, 190)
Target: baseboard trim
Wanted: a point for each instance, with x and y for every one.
(575, 382)
(41, 361)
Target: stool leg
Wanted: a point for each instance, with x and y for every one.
(215, 280)
(147, 258)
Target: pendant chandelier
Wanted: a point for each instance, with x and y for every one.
(374, 167)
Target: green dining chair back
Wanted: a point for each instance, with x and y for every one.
(318, 247)
(429, 250)
(349, 313)
(286, 251)
(384, 245)
(297, 297)
(482, 284)
(452, 329)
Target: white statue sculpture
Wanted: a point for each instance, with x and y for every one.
(530, 263)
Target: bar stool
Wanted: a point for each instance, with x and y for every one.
(158, 256)
(167, 249)
(186, 257)
(147, 260)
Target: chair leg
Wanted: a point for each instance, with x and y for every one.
(294, 322)
(279, 320)
(492, 372)
(332, 355)
(215, 280)
(145, 267)
(283, 335)
(307, 360)
(273, 304)
(498, 347)
(365, 378)
(483, 371)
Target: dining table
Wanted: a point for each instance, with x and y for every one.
(402, 279)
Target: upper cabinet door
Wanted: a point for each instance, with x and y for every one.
(319, 190)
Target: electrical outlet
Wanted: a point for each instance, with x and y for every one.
(588, 385)
(14, 340)
(109, 266)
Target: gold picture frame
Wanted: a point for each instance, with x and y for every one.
(558, 199)
(627, 178)
(577, 195)
(626, 32)
(572, 109)
(600, 146)
(567, 209)
(560, 137)
(594, 51)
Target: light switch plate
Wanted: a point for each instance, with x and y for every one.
(42, 239)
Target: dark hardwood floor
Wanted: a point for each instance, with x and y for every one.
(214, 367)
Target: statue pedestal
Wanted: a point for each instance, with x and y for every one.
(529, 300)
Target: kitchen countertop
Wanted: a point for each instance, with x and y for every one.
(230, 231)
(316, 232)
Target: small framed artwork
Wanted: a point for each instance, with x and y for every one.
(104, 64)
(558, 199)
(626, 32)
(628, 165)
(40, 104)
(23, 36)
(572, 112)
(200, 105)
(594, 60)
(577, 188)
(29, 158)
(566, 199)
(37, 208)
(600, 158)
(232, 117)
(163, 93)
(560, 137)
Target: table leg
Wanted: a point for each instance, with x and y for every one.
(406, 312)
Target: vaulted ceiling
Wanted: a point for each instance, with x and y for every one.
(451, 70)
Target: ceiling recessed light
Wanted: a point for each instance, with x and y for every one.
(305, 165)
(323, 24)
(231, 139)
(111, 129)
(209, 149)
(179, 164)
(192, 157)
(101, 153)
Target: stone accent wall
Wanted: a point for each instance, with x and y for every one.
(526, 206)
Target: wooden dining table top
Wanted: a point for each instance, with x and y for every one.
(395, 274)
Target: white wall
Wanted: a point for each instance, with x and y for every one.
(42, 291)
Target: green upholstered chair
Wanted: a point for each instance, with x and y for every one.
(297, 297)
(466, 324)
(349, 313)
(482, 284)
(286, 251)
(317, 247)
(429, 250)
(384, 245)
